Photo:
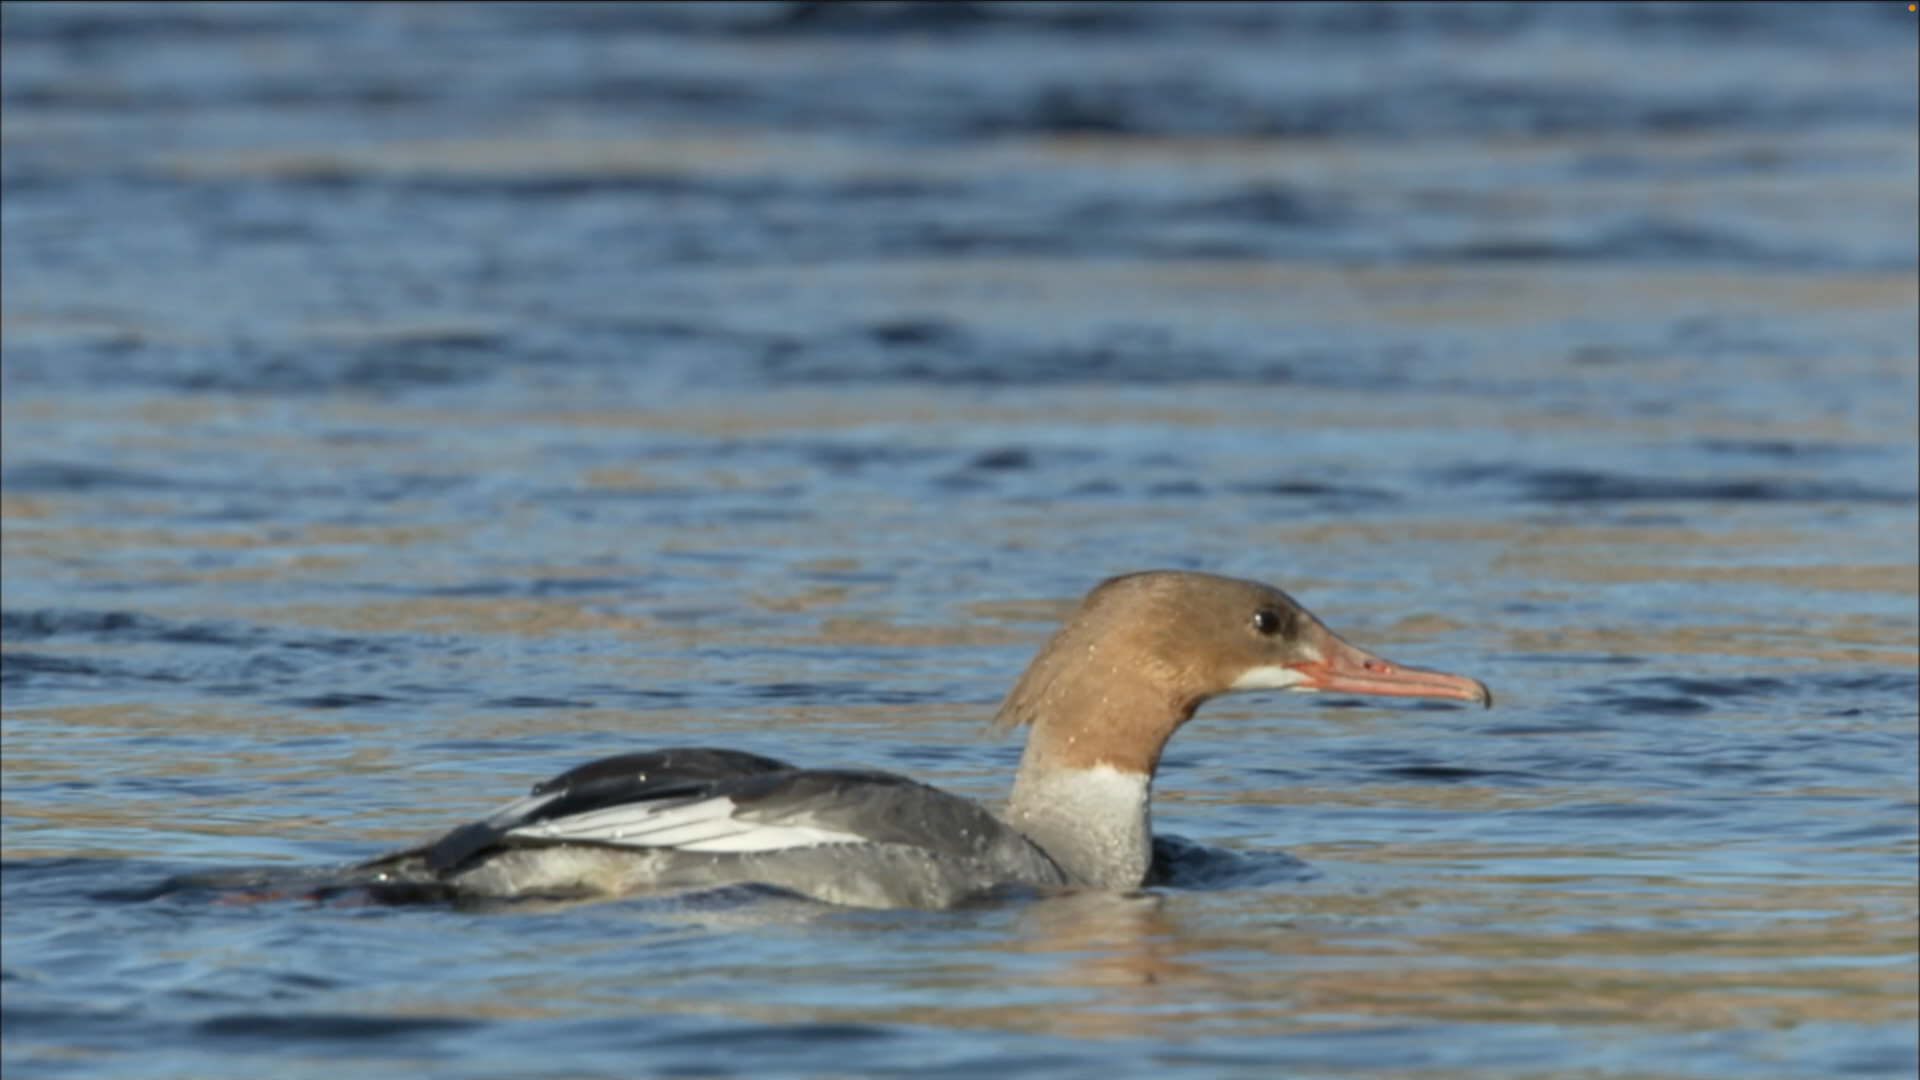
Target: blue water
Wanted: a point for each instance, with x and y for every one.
(404, 403)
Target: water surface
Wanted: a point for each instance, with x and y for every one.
(403, 403)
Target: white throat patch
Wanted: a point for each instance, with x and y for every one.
(1103, 789)
(1270, 677)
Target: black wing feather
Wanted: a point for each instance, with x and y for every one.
(689, 772)
(685, 763)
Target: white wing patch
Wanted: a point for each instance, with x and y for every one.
(707, 825)
(520, 808)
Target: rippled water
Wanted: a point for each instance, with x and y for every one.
(403, 403)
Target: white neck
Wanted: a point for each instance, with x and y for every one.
(1095, 822)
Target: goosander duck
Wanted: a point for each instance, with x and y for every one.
(1132, 663)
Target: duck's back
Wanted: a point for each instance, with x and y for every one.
(683, 819)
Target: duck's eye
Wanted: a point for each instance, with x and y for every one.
(1268, 622)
